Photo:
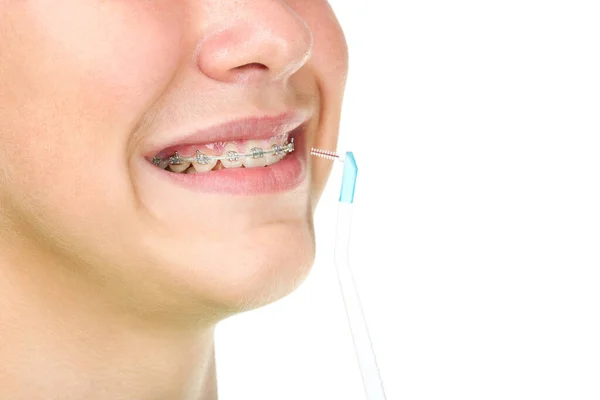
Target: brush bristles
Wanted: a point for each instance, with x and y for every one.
(330, 155)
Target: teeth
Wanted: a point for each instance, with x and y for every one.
(258, 159)
(248, 154)
(232, 160)
(272, 158)
(179, 167)
(161, 163)
(204, 163)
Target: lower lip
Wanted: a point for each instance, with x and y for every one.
(282, 176)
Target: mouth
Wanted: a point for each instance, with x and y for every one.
(247, 157)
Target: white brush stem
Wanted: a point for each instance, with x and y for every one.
(356, 319)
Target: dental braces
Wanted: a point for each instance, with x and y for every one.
(231, 156)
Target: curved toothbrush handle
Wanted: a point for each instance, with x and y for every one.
(356, 319)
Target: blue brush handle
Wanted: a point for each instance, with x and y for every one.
(349, 179)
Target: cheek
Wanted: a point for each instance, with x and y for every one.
(329, 64)
(108, 58)
(330, 52)
(75, 77)
(76, 65)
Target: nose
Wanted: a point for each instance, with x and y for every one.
(252, 41)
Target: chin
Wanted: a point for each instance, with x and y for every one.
(250, 270)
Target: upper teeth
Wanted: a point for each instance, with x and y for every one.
(251, 155)
(257, 152)
(202, 159)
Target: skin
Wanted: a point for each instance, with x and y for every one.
(111, 287)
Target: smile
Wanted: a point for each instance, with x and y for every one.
(241, 160)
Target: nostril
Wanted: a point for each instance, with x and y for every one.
(255, 65)
(250, 72)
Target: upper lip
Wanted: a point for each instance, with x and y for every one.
(248, 128)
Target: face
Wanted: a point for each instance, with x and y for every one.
(91, 90)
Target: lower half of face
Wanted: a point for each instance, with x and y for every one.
(82, 111)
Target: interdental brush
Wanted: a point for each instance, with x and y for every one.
(358, 327)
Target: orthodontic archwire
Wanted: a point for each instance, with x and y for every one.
(232, 156)
(365, 354)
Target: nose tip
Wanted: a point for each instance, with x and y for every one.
(267, 43)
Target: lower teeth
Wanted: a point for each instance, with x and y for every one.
(191, 170)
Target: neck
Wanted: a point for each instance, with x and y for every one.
(60, 338)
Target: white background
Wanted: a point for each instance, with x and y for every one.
(476, 230)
